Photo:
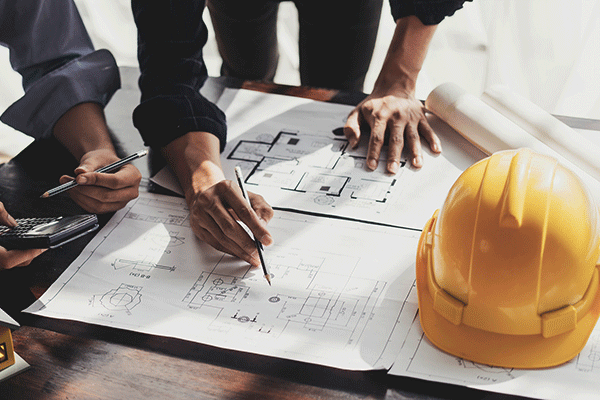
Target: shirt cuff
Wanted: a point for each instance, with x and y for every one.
(93, 77)
(430, 12)
(165, 117)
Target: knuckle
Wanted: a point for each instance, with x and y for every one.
(377, 140)
(228, 227)
(411, 134)
(244, 213)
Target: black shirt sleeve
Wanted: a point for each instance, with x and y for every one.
(430, 12)
(171, 35)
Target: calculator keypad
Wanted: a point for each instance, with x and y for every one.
(24, 226)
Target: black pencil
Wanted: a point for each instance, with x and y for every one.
(259, 247)
(106, 168)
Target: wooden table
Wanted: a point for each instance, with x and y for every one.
(72, 360)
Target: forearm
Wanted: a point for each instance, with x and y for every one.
(195, 159)
(83, 129)
(405, 56)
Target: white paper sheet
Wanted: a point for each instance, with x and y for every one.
(574, 380)
(491, 131)
(293, 152)
(332, 302)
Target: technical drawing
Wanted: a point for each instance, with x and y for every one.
(310, 164)
(141, 266)
(486, 368)
(327, 302)
(589, 358)
(124, 298)
(171, 213)
(320, 309)
(210, 288)
(425, 353)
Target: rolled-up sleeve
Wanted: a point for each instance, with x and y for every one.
(430, 12)
(50, 47)
(171, 35)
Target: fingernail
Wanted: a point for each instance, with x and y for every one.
(81, 180)
(267, 240)
(393, 166)
(418, 161)
(436, 148)
(372, 164)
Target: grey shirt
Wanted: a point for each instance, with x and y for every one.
(51, 49)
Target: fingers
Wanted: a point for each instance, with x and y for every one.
(209, 231)
(352, 128)
(17, 258)
(413, 144)
(213, 220)
(126, 176)
(102, 193)
(400, 117)
(395, 145)
(262, 209)
(434, 141)
(378, 127)
(6, 218)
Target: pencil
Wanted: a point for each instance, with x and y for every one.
(259, 246)
(107, 168)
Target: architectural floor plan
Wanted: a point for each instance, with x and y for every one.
(300, 160)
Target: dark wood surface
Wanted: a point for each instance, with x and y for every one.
(73, 360)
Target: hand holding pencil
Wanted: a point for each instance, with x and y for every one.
(102, 182)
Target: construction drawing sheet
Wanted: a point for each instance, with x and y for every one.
(419, 358)
(293, 152)
(575, 380)
(299, 159)
(341, 269)
(332, 302)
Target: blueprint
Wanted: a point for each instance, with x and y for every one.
(331, 303)
(419, 358)
(293, 152)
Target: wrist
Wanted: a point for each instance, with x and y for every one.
(396, 83)
(195, 159)
(83, 129)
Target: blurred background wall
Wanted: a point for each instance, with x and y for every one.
(545, 50)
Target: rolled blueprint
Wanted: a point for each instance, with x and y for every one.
(491, 131)
(546, 128)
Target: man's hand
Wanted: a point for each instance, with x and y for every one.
(102, 193)
(14, 258)
(215, 213)
(392, 109)
(399, 116)
(216, 204)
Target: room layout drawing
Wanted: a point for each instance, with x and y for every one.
(316, 168)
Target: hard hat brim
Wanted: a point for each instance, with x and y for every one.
(484, 347)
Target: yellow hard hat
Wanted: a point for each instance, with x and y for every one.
(507, 269)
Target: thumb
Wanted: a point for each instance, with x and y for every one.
(87, 165)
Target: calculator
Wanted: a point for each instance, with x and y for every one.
(46, 232)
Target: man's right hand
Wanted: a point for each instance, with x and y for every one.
(217, 204)
(214, 214)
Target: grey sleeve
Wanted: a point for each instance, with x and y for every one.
(51, 49)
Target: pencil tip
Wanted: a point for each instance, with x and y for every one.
(44, 195)
(268, 278)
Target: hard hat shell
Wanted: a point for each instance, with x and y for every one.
(507, 269)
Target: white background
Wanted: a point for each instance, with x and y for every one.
(545, 50)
